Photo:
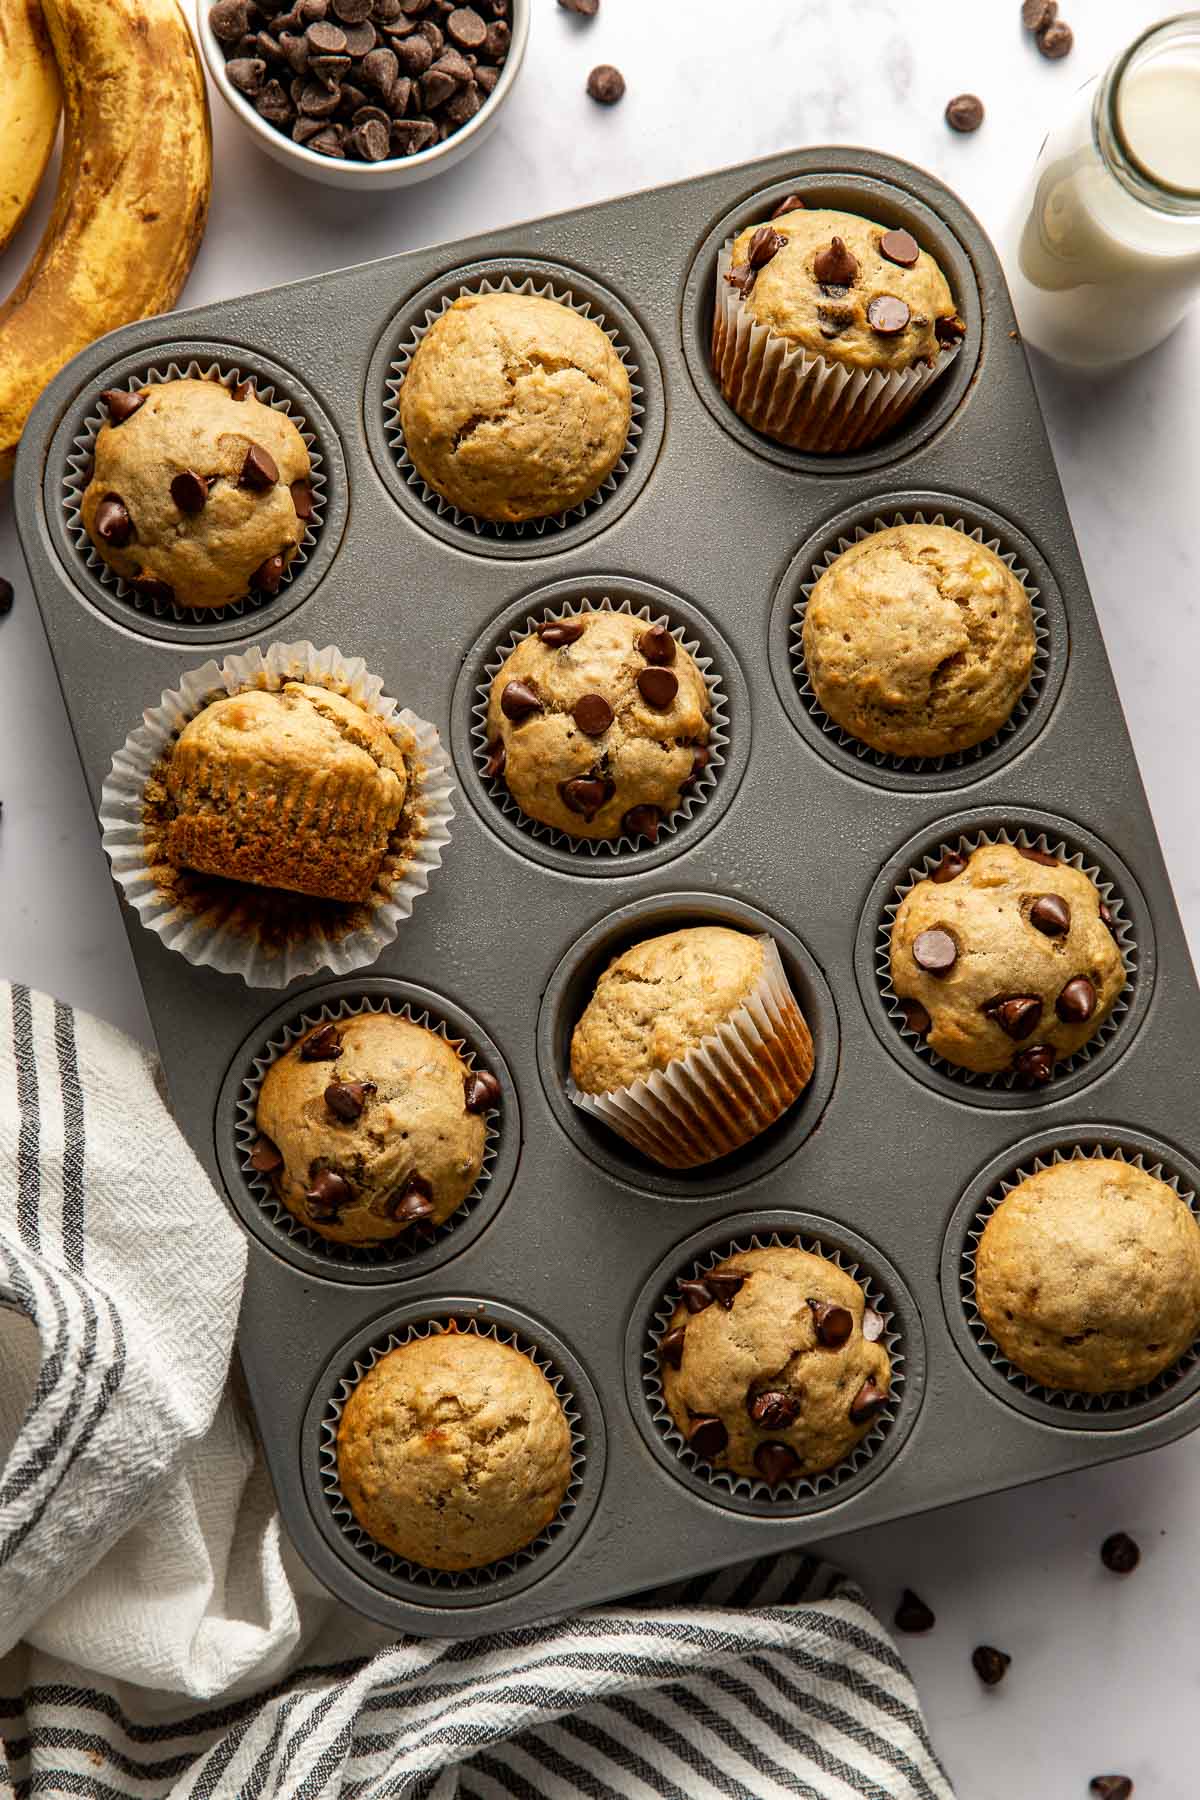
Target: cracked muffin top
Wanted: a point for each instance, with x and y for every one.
(515, 407)
(1087, 1276)
(598, 724)
(454, 1451)
(919, 641)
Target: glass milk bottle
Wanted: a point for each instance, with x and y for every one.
(1104, 255)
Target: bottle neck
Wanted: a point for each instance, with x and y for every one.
(1169, 51)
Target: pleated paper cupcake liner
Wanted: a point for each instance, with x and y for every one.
(690, 802)
(784, 1493)
(79, 473)
(958, 759)
(398, 369)
(726, 1091)
(1062, 1398)
(800, 399)
(1122, 927)
(220, 924)
(377, 1554)
(400, 1249)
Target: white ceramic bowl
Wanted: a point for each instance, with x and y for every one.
(397, 171)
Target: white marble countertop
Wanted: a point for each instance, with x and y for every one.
(1104, 1674)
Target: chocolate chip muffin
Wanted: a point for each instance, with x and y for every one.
(704, 992)
(298, 788)
(198, 493)
(773, 1364)
(599, 724)
(1087, 1276)
(515, 407)
(454, 1451)
(919, 641)
(1006, 960)
(372, 1128)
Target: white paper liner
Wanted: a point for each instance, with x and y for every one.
(399, 1566)
(801, 399)
(1068, 1398)
(398, 369)
(957, 759)
(696, 795)
(964, 845)
(784, 1493)
(717, 1097)
(79, 474)
(216, 943)
(404, 1246)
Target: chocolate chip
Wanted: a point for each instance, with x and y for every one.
(742, 277)
(268, 577)
(321, 1045)
(658, 688)
(436, 89)
(265, 1157)
(888, 315)
(352, 12)
(414, 1202)
(700, 762)
(793, 203)
(151, 588)
(1050, 915)
(302, 500)
(328, 1194)
(380, 68)
(122, 404)
(873, 1325)
(950, 868)
(465, 28)
(772, 1410)
(592, 714)
(901, 248)
(916, 1016)
(868, 1401)
(372, 140)
(346, 1099)
(949, 330)
(1035, 1065)
(329, 71)
(1111, 1787)
(657, 645)
(6, 597)
(723, 1286)
(496, 48)
(606, 84)
(1120, 1554)
(519, 701)
(1077, 1002)
(554, 633)
(1039, 856)
(329, 141)
(696, 1295)
(912, 1614)
(1037, 14)
(1057, 39)
(189, 491)
(1017, 1016)
(113, 523)
(247, 73)
(228, 20)
(259, 470)
(497, 756)
(586, 794)
(642, 821)
(934, 951)
(587, 9)
(464, 105)
(1106, 917)
(670, 1347)
(414, 55)
(481, 1091)
(776, 1463)
(833, 1323)
(411, 136)
(325, 38)
(991, 1665)
(835, 266)
(707, 1437)
(965, 113)
(360, 40)
(766, 243)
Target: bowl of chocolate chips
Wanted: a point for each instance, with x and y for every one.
(365, 93)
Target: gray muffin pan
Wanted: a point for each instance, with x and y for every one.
(572, 1240)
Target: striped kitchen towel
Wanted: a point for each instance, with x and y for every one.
(158, 1635)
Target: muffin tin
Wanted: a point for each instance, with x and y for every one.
(573, 1243)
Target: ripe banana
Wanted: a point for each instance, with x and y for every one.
(29, 106)
(132, 195)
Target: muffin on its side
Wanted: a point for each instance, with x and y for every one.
(919, 641)
(773, 1365)
(1087, 1276)
(297, 788)
(454, 1451)
(198, 493)
(598, 724)
(372, 1126)
(1006, 959)
(515, 407)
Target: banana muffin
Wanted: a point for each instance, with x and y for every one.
(515, 407)
(1006, 960)
(454, 1451)
(598, 724)
(919, 641)
(298, 788)
(773, 1364)
(703, 1022)
(372, 1128)
(1087, 1276)
(198, 493)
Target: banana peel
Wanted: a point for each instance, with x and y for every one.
(30, 102)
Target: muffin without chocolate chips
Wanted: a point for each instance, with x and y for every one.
(198, 493)
(773, 1365)
(454, 1451)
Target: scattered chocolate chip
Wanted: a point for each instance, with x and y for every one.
(1120, 1554)
(6, 597)
(772, 1410)
(328, 1194)
(888, 315)
(346, 1099)
(151, 588)
(723, 1286)
(707, 1437)
(414, 1202)
(259, 470)
(793, 203)
(872, 1325)
(586, 794)
(268, 577)
(1017, 1016)
(657, 645)
(247, 73)
(122, 404)
(321, 1045)
(481, 1091)
(696, 1295)
(1077, 1002)
(592, 714)
(554, 633)
(991, 1665)
(606, 84)
(934, 951)
(189, 491)
(1037, 14)
(497, 756)
(916, 1016)
(766, 243)
(265, 1157)
(113, 523)
(1039, 856)
(642, 821)
(519, 701)
(1057, 39)
(965, 113)
(1111, 1787)
(1050, 915)
(1035, 1065)
(833, 1323)
(868, 1401)
(901, 248)
(950, 868)
(587, 9)
(776, 1463)
(658, 687)
(302, 500)
(835, 266)
(912, 1614)
(670, 1347)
